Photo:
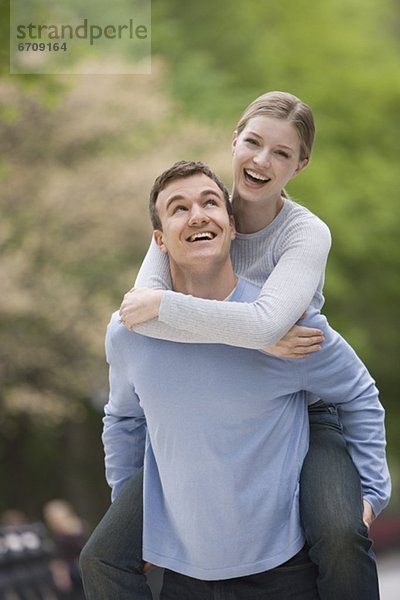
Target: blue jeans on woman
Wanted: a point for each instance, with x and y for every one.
(331, 511)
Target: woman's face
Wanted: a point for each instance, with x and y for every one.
(266, 155)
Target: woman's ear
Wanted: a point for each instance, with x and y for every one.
(301, 166)
(159, 240)
(234, 141)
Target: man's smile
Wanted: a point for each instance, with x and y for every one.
(201, 236)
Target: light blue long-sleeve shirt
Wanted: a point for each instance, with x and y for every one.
(223, 432)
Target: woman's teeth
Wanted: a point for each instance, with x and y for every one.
(255, 177)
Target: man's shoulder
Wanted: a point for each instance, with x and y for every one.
(315, 318)
(115, 325)
(245, 291)
(117, 334)
(332, 338)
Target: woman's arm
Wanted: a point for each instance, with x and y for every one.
(284, 297)
(154, 272)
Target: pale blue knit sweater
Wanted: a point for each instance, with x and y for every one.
(223, 432)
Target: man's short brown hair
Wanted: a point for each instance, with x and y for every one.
(181, 170)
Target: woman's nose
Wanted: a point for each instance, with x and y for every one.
(262, 158)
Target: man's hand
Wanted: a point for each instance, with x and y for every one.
(299, 342)
(368, 514)
(147, 567)
(140, 305)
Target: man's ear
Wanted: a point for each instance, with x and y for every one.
(159, 240)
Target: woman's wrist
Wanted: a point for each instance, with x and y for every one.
(140, 305)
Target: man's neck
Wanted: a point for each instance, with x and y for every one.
(203, 281)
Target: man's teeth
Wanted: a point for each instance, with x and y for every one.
(256, 176)
(205, 235)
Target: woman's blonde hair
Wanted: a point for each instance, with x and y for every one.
(282, 105)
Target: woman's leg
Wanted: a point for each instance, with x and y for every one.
(331, 512)
(111, 562)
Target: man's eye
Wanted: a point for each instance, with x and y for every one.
(178, 208)
(211, 201)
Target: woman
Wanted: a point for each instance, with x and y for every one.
(282, 247)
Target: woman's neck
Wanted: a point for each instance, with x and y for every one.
(251, 217)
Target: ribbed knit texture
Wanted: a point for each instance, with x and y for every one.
(287, 258)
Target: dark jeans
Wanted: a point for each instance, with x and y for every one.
(111, 561)
(331, 511)
(294, 580)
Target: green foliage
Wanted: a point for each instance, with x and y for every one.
(317, 51)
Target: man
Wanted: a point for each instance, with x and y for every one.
(223, 431)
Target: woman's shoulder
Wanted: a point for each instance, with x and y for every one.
(299, 218)
(302, 231)
(297, 211)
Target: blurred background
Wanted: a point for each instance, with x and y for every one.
(78, 156)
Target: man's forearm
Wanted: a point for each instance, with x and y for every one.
(124, 444)
(364, 433)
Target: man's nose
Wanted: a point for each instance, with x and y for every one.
(198, 216)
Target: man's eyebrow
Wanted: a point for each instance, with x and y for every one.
(209, 192)
(179, 197)
(174, 198)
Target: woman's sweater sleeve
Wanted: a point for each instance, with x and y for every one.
(154, 273)
(289, 290)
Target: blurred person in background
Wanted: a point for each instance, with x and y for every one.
(69, 534)
(26, 552)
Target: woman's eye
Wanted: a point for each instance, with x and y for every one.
(283, 154)
(251, 141)
(211, 201)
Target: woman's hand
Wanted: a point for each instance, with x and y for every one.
(299, 342)
(140, 305)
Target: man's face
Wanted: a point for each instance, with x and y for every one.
(197, 229)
